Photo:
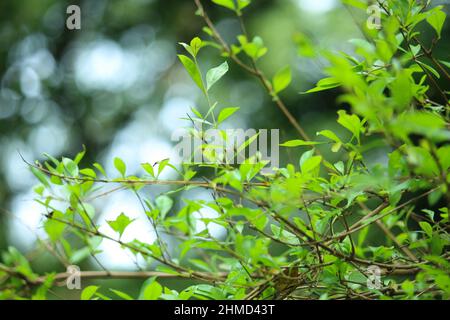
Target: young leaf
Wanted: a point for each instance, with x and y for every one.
(88, 292)
(99, 167)
(282, 79)
(329, 134)
(436, 19)
(121, 294)
(192, 70)
(152, 291)
(120, 224)
(40, 175)
(225, 3)
(226, 113)
(356, 3)
(149, 168)
(54, 228)
(80, 155)
(89, 173)
(196, 44)
(214, 74)
(427, 228)
(324, 84)
(243, 4)
(254, 49)
(188, 48)
(120, 166)
(161, 165)
(350, 122)
(164, 204)
(71, 166)
(298, 143)
(310, 164)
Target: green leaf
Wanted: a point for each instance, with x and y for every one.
(99, 167)
(225, 3)
(310, 164)
(161, 165)
(330, 135)
(305, 156)
(71, 166)
(120, 166)
(298, 143)
(192, 70)
(384, 50)
(356, 3)
(445, 63)
(226, 113)
(196, 44)
(89, 173)
(194, 47)
(402, 91)
(243, 4)
(282, 79)
(152, 291)
(80, 255)
(188, 48)
(427, 228)
(436, 19)
(54, 228)
(350, 122)
(429, 68)
(284, 235)
(149, 168)
(443, 154)
(121, 294)
(164, 204)
(436, 245)
(88, 292)
(214, 75)
(305, 47)
(119, 225)
(254, 49)
(80, 155)
(196, 112)
(324, 84)
(40, 175)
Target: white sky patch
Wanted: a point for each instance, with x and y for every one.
(42, 62)
(25, 221)
(173, 110)
(42, 137)
(105, 65)
(17, 174)
(30, 83)
(316, 6)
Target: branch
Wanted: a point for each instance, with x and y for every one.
(120, 275)
(252, 70)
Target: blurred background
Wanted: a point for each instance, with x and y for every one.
(117, 87)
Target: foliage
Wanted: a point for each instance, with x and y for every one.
(307, 230)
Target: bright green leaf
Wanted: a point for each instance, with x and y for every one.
(120, 166)
(119, 225)
(226, 113)
(214, 75)
(282, 79)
